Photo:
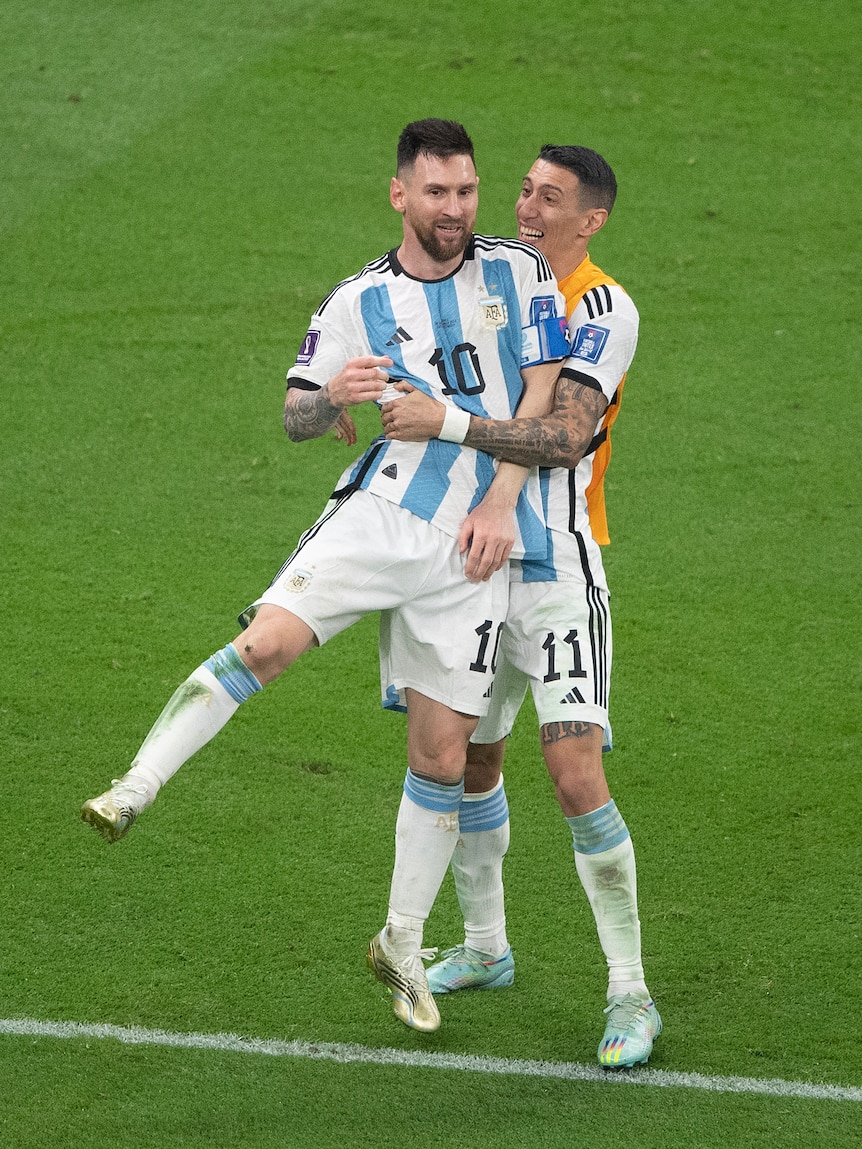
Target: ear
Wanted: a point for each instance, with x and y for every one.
(396, 194)
(594, 221)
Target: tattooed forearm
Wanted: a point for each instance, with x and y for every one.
(309, 414)
(556, 731)
(556, 440)
(529, 442)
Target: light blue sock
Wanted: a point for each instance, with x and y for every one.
(484, 811)
(233, 674)
(599, 830)
(442, 797)
(195, 713)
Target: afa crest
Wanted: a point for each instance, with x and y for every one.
(297, 582)
(494, 312)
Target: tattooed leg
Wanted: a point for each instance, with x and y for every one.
(573, 754)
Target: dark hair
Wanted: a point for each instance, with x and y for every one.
(598, 184)
(440, 138)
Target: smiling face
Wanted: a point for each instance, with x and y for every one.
(438, 200)
(552, 216)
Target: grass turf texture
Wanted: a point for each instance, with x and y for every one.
(180, 187)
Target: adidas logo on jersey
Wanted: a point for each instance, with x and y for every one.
(400, 336)
(574, 695)
(391, 472)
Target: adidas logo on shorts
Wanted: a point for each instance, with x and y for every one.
(573, 696)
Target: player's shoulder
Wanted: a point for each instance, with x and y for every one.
(345, 289)
(606, 300)
(516, 252)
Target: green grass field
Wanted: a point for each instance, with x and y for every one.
(180, 186)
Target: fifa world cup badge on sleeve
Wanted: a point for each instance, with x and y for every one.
(544, 307)
(554, 336)
(589, 343)
(308, 348)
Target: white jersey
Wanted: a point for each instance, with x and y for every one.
(458, 339)
(603, 327)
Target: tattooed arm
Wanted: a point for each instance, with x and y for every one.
(488, 532)
(308, 414)
(310, 410)
(555, 440)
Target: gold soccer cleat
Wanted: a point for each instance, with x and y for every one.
(412, 1000)
(113, 812)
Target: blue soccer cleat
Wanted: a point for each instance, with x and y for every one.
(464, 968)
(633, 1025)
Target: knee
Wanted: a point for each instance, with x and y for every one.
(272, 642)
(441, 759)
(484, 765)
(574, 761)
(261, 653)
(437, 738)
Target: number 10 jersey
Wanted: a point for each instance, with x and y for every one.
(458, 339)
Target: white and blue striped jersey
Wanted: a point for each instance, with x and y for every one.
(458, 339)
(603, 327)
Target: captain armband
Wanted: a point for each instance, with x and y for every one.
(545, 341)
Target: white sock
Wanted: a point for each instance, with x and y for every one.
(425, 835)
(195, 713)
(610, 882)
(477, 866)
(605, 863)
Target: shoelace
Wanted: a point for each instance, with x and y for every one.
(459, 953)
(625, 1010)
(123, 788)
(408, 967)
(466, 956)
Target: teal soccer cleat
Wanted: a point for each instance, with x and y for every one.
(633, 1025)
(463, 968)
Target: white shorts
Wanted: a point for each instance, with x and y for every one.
(438, 631)
(557, 640)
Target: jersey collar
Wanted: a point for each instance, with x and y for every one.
(397, 268)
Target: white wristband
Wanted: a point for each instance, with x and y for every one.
(456, 424)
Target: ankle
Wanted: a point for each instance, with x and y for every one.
(619, 988)
(401, 941)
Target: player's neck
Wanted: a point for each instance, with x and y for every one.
(567, 261)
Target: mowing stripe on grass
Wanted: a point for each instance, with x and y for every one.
(330, 1051)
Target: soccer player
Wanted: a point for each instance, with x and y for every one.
(447, 311)
(557, 637)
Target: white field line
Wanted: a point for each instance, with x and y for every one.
(328, 1051)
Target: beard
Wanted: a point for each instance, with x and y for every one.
(439, 249)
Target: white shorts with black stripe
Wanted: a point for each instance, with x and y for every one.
(438, 630)
(557, 640)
